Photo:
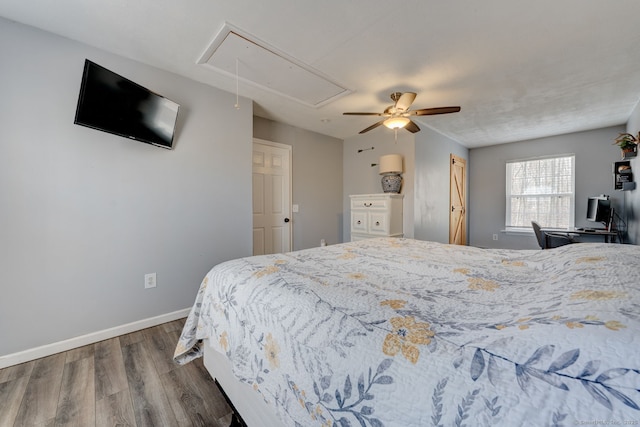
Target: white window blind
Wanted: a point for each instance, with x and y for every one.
(541, 190)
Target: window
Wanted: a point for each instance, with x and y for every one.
(541, 190)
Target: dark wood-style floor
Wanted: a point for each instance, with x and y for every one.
(129, 380)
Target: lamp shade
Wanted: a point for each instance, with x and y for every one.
(396, 122)
(391, 163)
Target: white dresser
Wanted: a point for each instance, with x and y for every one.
(376, 215)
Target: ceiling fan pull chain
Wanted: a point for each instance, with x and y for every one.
(237, 95)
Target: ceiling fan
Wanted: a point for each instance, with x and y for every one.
(397, 115)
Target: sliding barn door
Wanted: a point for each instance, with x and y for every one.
(457, 201)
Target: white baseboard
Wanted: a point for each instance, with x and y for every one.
(94, 337)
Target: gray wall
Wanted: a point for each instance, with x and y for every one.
(594, 156)
(86, 214)
(362, 178)
(317, 181)
(432, 158)
(633, 197)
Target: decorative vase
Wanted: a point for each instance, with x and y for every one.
(391, 183)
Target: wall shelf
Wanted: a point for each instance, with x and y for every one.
(623, 176)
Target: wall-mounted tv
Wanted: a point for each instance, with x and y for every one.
(114, 104)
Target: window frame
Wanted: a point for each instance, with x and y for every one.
(509, 196)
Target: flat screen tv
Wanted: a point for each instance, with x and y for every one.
(114, 104)
(599, 209)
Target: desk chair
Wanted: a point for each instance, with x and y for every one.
(548, 240)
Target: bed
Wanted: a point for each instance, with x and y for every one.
(401, 332)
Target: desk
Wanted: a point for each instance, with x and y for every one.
(609, 236)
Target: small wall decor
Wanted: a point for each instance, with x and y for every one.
(365, 149)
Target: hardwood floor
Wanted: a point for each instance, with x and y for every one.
(129, 380)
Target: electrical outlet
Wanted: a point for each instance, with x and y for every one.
(495, 237)
(150, 280)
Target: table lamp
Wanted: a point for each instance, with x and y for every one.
(390, 169)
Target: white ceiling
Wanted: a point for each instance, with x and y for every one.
(520, 69)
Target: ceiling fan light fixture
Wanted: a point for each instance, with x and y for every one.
(398, 114)
(396, 122)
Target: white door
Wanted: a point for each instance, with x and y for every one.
(271, 197)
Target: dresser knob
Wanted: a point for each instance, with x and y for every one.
(377, 222)
(359, 222)
(368, 204)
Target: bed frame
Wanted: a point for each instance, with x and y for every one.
(246, 403)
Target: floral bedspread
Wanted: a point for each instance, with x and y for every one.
(400, 332)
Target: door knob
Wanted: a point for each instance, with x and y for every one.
(287, 220)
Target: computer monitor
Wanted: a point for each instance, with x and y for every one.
(599, 209)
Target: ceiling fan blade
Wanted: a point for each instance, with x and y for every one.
(433, 111)
(362, 114)
(405, 101)
(412, 127)
(373, 126)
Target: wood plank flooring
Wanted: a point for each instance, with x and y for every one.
(129, 380)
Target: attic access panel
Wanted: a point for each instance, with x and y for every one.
(268, 68)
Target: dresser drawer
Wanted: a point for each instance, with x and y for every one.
(369, 204)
